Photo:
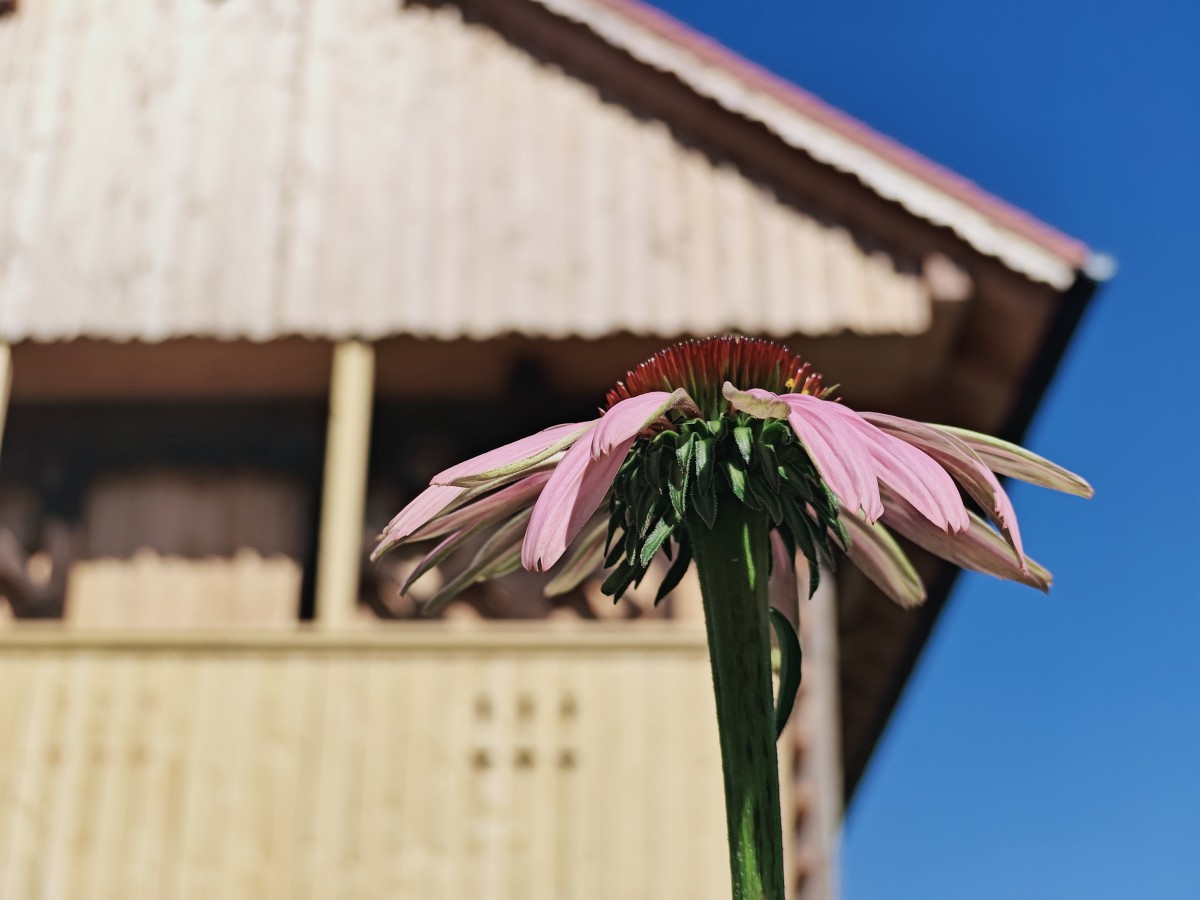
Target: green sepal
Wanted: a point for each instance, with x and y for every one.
(616, 518)
(736, 476)
(776, 434)
(770, 465)
(789, 668)
(676, 572)
(618, 581)
(703, 458)
(744, 438)
(654, 540)
(767, 499)
(682, 475)
(705, 504)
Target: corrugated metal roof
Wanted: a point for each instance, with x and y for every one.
(927, 190)
(332, 168)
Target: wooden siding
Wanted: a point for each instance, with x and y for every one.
(338, 168)
(416, 763)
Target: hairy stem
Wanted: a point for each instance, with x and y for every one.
(732, 559)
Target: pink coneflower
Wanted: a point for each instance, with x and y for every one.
(746, 416)
(703, 453)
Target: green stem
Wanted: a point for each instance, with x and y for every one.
(732, 559)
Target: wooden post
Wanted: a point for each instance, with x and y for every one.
(5, 385)
(347, 445)
(823, 751)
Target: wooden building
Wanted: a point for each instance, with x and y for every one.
(264, 268)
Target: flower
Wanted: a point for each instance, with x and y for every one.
(729, 419)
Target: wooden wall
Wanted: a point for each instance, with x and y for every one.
(423, 762)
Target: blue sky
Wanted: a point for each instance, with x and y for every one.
(1047, 748)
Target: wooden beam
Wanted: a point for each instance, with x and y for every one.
(5, 385)
(347, 445)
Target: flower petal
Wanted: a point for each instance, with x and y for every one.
(631, 416)
(1017, 462)
(965, 465)
(425, 506)
(783, 589)
(979, 548)
(487, 509)
(843, 459)
(515, 457)
(756, 402)
(873, 549)
(915, 476)
(499, 555)
(569, 499)
(586, 559)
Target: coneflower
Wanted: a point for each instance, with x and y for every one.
(706, 452)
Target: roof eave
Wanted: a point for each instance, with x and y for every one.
(802, 121)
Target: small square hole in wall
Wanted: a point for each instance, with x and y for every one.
(7, 6)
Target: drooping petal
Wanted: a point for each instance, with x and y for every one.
(876, 553)
(515, 457)
(629, 417)
(499, 556)
(586, 558)
(915, 476)
(439, 554)
(843, 459)
(568, 500)
(852, 455)
(1017, 462)
(979, 548)
(965, 465)
(783, 590)
(423, 507)
(487, 509)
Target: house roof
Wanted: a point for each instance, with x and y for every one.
(924, 188)
(502, 195)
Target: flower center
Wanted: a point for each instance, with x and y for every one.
(701, 367)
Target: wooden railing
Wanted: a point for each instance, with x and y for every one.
(425, 761)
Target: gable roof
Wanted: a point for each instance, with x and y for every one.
(924, 188)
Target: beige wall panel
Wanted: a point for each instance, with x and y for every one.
(419, 762)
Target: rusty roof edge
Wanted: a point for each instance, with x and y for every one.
(1068, 314)
(925, 189)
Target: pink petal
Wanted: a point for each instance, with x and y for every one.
(573, 493)
(965, 465)
(979, 548)
(487, 509)
(631, 416)
(526, 452)
(424, 507)
(875, 552)
(915, 476)
(1017, 462)
(783, 589)
(843, 459)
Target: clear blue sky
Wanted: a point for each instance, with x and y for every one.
(1047, 749)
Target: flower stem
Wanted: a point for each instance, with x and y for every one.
(732, 560)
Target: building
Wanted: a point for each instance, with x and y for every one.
(263, 269)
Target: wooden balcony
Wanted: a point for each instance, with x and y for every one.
(433, 760)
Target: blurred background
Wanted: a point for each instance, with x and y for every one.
(266, 267)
